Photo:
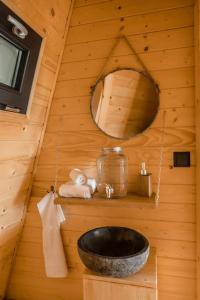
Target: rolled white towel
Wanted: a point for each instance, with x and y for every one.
(70, 189)
(78, 177)
(92, 183)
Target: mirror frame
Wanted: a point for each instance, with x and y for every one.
(143, 73)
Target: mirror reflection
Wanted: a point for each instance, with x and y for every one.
(124, 103)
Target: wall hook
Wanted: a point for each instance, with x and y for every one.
(18, 29)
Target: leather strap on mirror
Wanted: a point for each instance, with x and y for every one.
(119, 38)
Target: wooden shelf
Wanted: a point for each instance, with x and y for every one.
(130, 200)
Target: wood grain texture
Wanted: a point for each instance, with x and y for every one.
(20, 134)
(155, 41)
(162, 33)
(197, 111)
(141, 24)
(115, 9)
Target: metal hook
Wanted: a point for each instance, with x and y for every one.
(52, 189)
(18, 29)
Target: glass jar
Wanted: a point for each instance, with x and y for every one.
(112, 173)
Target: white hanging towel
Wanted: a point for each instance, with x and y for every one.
(52, 216)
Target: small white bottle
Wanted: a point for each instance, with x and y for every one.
(144, 185)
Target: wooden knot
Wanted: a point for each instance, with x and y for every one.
(52, 12)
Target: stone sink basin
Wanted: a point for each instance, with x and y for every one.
(113, 251)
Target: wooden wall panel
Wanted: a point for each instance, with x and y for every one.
(20, 134)
(162, 33)
(197, 111)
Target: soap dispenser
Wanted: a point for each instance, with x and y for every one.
(144, 184)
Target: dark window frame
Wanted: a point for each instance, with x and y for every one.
(16, 99)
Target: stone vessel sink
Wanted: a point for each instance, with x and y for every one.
(113, 251)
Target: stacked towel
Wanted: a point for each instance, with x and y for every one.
(80, 186)
(92, 183)
(70, 189)
(78, 177)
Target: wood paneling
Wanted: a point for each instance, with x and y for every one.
(162, 34)
(140, 24)
(115, 9)
(197, 111)
(20, 134)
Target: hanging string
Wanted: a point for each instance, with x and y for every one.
(118, 39)
(53, 187)
(161, 158)
(136, 55)
(56, 167)
(107, 59)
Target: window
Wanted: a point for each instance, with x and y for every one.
(19, 50)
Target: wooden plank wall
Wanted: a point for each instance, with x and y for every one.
(197, 111)
(162, 34)
(20, 134)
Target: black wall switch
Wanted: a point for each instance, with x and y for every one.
(181, 159)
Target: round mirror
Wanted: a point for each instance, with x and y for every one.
(124, 103)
